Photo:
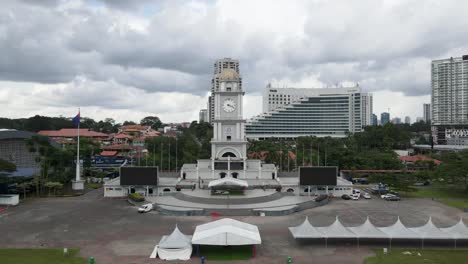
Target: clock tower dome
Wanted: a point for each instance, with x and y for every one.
(228, 125)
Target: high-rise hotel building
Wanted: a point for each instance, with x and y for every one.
(321, 112)
(449, 119)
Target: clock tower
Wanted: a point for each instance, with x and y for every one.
(228, 125)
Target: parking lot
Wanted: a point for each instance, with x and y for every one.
(113, 232)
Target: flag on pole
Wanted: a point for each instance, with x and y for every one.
(76, 120)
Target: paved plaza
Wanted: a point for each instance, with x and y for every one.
(113, 232)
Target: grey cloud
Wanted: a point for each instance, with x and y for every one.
(382, 48)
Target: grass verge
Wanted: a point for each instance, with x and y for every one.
(426, 256)
(40, 256)
(450, 195)
(220, 253)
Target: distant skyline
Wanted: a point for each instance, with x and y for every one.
(130, 59)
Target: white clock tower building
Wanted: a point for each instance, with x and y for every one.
(228, 125)
(228, 145)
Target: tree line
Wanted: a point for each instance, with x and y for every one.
(108, 125)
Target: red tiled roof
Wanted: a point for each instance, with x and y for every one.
(109, 153)
(419, 158)
(138, 127)
(122, 136)
(72, 132)
(121, 147)
(171, 134)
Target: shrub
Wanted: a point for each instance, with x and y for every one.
(136, 197)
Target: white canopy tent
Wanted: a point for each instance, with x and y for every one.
(176, 246)
(457, 231)
(226, 232)
(367, 230)
(336, 230)
(305, 230)
(399, 231)
(430, 231)
(228, 181)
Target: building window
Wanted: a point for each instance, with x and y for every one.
(229, 138)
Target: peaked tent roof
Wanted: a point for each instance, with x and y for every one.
(305, 230)
(336, 230)
(399, 231)
(175, 240)
(228, 181)
(457, 231)
(430, 231)
(367, 230)
(226, 232)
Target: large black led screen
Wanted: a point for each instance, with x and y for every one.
(220, 165)
(318, 175)
(139, 176)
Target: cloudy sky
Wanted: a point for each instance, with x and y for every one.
(128, 59)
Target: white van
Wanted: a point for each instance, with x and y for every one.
(145, 208)
(357, 192)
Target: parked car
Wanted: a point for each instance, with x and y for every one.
(321, 197)
(345, 197)
(354, 196)
(393, 198)
(145, 208)
(385, 196)
(367, 196)
(357, 192)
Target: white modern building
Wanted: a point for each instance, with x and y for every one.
(449, 82)
(322, 112)
(203, 116)
(427, 112)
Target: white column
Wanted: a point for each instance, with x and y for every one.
(215, 135)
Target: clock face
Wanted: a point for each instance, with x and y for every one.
(229, 105)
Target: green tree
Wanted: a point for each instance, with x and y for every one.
(7, 166)
(454, 169)
(153, 121)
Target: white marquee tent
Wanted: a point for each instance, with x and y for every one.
(430, 231)
(306, 230)
(367, 230)
(226, 232)
(399, 231)
(176, 246)
(228, 181)
(336, 230)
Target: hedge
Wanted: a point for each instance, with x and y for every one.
(136, 197)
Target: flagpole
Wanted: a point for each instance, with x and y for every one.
(78, 151)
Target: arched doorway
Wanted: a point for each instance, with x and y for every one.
(228, 154)
(234, 175)
(222, 174)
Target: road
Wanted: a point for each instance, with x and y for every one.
(113, 232)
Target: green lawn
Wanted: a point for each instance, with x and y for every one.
(451, 196)
(93, 185)
(427, 257)
(40, 256)
(226, 253)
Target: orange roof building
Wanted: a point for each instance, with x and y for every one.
(413, 159)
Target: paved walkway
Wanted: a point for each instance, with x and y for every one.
(284, 201)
